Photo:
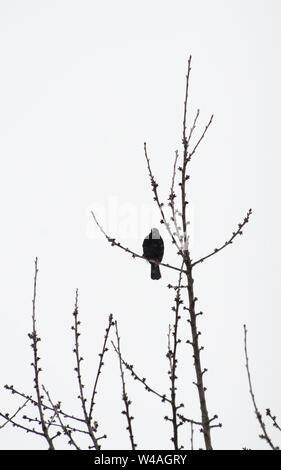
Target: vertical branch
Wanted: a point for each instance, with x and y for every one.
(197, 361)
(191, 436)
(257, 412)
(187, 156)
(186, 256)
(184, 178)
(154, 186)
(171, 203)
(173, 361)
(101, 363)
(125, 398)
(34, 342)
(79, 376)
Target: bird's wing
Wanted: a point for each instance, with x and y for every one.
(162, 245)
(146, 244)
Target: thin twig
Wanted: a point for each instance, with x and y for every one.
(273, 419)
(64, 428)
(125, 398)
(160, 205)
(228, 242)
(18, 425)
(101, 363)
(79, 376)
(185, 141)
(191, 435)
(34, 341)
(173, 361)
(171, 203)
(137, 377)
(257, 412)
(15, 414)
(200, 139)
(184, 176)
(45, 406)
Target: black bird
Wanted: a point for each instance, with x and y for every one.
(153, 249)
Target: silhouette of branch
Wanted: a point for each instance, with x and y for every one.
(187, 156)
(125, 398)
(170, 286)
(45, 406)
(174, 210)
(13, 415)
(273, 419)
(187, 260)
(66, 430)
(185, 141)
(101, 363)
(160, 205)
(173, 362)
(137, 377)
(20, 426)
(171, 203)
(34, 342)
(191, 435)
(79, 376)
(264, 435)
(228, 242)
(201, 138)
(113, 242)
(187, 420)
(51, 416)
(199, 423)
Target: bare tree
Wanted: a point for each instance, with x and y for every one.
(178, 226)
(51, 420)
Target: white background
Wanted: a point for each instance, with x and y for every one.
(82, 86)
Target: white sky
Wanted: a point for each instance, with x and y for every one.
(82, 86)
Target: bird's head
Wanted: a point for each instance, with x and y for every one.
(155, 233)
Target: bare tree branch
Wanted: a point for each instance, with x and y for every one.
(64, 428)
(200, 139)
(160, 205)
(18, 425)
(171, 203)
(273, 419)
(113, 242)
(79, 376)
(190, 289)
(45, 406)
(191, 435)
(137, 377)
(228, 242)
(173, 362)
(257, 412)
(34, 341)
(125, 397)
(101, 363)
(13, 415)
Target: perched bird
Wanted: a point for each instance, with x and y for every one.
(153, 249)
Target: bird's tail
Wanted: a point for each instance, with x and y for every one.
(155, 271)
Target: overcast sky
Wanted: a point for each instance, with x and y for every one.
(83, 85)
